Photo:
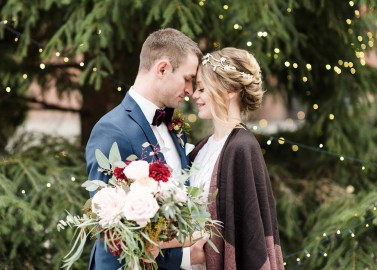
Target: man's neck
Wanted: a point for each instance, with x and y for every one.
(145, 87)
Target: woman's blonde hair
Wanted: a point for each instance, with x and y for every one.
(232, 70)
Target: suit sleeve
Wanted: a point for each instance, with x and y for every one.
(103, 135)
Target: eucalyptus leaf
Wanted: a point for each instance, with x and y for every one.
(93, 183)
(88, 203)
(213, 195)
(103, 162)
(114, 155)
(131, 158)
(146, 144)
(212, 245)
(98, 183)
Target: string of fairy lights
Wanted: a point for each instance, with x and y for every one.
(301, 256)
(366, 41)
(192, 118)
(296, 146)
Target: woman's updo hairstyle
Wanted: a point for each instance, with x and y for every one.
(233, 70)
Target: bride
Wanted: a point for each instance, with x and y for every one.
(229, 83)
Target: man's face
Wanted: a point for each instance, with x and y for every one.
(179, 83)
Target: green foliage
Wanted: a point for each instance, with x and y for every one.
(351, 229)
(36, 188)
(107, 35)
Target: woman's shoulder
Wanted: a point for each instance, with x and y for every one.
(242, 138)
(243, 146)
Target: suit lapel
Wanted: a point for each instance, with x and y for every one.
(137, 115)
(180, 149)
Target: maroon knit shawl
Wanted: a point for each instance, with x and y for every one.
(246, 206)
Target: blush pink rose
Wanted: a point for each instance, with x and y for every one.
(140, 207)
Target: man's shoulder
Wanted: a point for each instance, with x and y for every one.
(115, 113)
(117, 117)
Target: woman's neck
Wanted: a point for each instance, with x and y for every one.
(223, 128)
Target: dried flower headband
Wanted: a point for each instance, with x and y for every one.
(208, 58)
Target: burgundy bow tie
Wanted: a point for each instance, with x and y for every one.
(164, 115)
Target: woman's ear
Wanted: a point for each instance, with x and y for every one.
(232, 95)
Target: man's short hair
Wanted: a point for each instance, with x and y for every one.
(170, 43)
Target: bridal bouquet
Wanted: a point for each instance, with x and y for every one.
(141, 206)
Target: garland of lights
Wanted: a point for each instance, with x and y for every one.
(303, 253)
(296, 145)
(301, 115)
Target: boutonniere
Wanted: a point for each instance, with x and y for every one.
(179, 126)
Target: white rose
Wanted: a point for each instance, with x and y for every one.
(172, 188)
(164, 190)
(180, 195)
(108, 204)
(145, 184)
(137, 169)
(140, 207)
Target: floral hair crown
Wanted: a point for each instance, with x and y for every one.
(215, 63)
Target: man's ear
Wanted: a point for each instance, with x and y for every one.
(162, 67)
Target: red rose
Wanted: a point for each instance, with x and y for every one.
(159, 172)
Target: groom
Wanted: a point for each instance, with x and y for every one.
(168, 64)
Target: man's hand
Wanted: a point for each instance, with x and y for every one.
(197, 255)
(196, 236)
(153, 250)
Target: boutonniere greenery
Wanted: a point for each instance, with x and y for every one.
(179, 126)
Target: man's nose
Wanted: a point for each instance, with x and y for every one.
(189, 90)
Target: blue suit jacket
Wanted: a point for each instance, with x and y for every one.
(126, 125)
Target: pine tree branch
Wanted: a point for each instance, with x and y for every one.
(51, 66)
(49, 106)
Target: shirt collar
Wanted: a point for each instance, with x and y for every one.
(147, 107)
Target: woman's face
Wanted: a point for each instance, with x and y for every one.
(202, 98)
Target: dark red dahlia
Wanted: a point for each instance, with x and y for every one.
(116, 243)
(116, 252)
(159, 172)
(118, 173)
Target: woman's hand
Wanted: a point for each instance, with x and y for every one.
(196, 236)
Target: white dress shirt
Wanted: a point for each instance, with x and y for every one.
(165, 141)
